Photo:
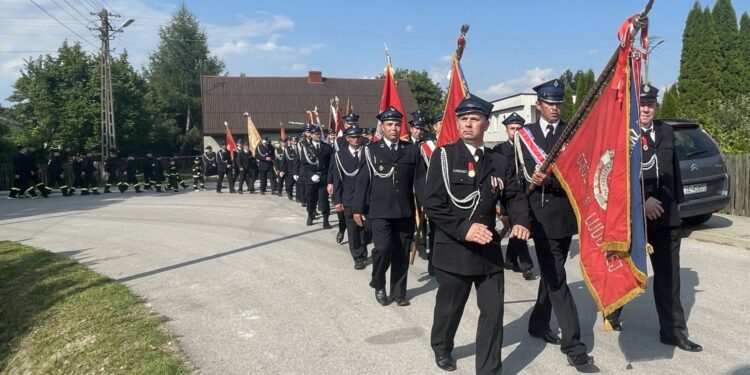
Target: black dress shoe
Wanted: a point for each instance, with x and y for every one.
(402, 302)
(547, 336)
(381, 297)
(445, 362)
(580, 360)
(326, 225)
(614, 323)
(682, 343)
(309, 221)
(359, 265)
(339, 237)
(508, 265)
(528, 275)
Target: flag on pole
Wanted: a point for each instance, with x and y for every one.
(390, 96)
(231, 146)
(323, 137)
(253, 137)
(283, 131)
(457, 90)
(334, 120)
(599, 169)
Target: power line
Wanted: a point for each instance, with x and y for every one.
(64, 25)
(68, 13)
(76, 9)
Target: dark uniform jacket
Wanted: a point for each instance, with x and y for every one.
(223, 161)
(392, 197)
(55, 165)
(261, 153)
(452, 253)
(245, 160)
(21, 165)
(279, 163)
(88, 166)
(344, 186)
(291, 160)
(130, 168)
(669, 189)
(555, 214)
(308, 168)
(111, 165)
(209, 163)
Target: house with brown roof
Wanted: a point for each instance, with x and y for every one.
(272, 101)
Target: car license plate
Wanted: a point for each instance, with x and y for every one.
(695, 189)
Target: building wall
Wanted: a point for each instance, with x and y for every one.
(523, 104)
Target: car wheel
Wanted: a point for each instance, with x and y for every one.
(696, 220)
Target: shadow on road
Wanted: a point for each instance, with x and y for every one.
(715, 222)
(215, 256)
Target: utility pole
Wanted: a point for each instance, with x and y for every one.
(107, 33)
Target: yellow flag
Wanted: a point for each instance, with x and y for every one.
(253, 137)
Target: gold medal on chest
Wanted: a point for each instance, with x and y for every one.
(472, 173)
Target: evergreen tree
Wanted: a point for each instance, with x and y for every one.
(725, 19)
(568, 106)
(699, 64)
(744, 53)
(175, 70)
(670, 105)
(584, 82)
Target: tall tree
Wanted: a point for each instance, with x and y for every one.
(699, 64)
(670, 105)
(175, 71)
(744, 52)
(568, 106)
(57, 100)
(584, 82)
(725, 19)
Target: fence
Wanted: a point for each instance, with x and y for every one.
(738, 167)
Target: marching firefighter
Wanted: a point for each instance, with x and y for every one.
(111, 167)
(198, 177)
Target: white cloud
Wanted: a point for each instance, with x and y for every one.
(446, 58)
(298, 67)
(529, 79)
(408, 28)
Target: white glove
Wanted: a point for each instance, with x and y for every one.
(296, 177)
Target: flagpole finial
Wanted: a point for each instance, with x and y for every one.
(387, 54)
(226, 125)
(461, 42)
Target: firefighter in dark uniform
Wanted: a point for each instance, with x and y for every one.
(21, 173)
(279, 168)
(264, 154)
(209, 161)
(385, 196)
(245, 167)
(291, 158)
(315, 159)
(158, 167)
(235, 157)
(350, 120)
(111, 167)
(173, 175)
(35, 176)
(148, 171)
(348, 163)
(662, 183)
(224, 168)
(302, 142)
(553, 225)
(199, 180)
(130, 174)
(56, 173)
(517, 256)
(464, 182)
(416, 129)
(426, 148)
(88, 175)
(77, 168)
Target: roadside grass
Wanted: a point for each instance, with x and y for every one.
(58, 317)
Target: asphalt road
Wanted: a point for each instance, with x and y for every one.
(249, 289)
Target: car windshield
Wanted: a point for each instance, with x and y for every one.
(693, 143)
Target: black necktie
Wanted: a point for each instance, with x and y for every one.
(393, 147)
(356, 154)
(647, 134)
(478, 155)
(548, 137)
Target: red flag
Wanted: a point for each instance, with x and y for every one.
(596, 171)
(390, 98)
(231, 146)
(456, 92)
(283, 131)
(339, 120)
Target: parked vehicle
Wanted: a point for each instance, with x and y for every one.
(704, 174)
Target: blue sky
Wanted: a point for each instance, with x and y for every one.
(512, 45)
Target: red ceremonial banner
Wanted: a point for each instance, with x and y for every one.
(456, 93)
(390, 98)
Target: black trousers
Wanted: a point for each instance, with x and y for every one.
(89, 182)
(554, 292)
(317, 196)
(56, 180)
(247, 177)
(20, 185)
(357, 246)
(112, 179)
(392, 238)
(289, 178)
(199, 182)
(342, 221)
(301, 192)
(452, 294)
(280, 184)
(666, 264)
(220, 180)
(517, 253)
(264, 176)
